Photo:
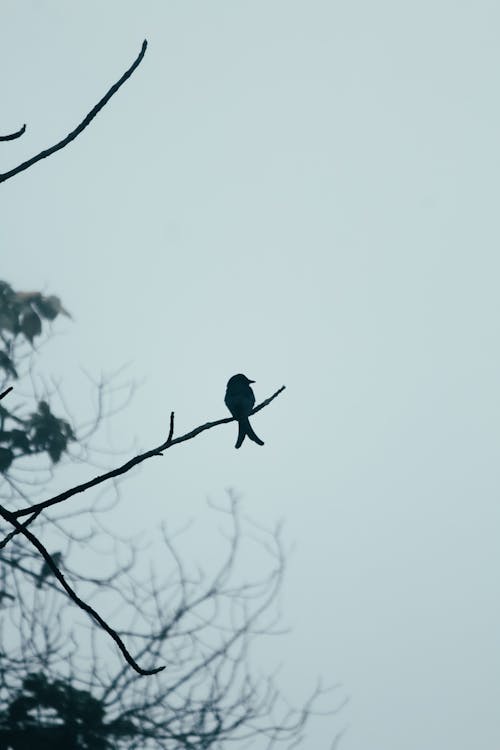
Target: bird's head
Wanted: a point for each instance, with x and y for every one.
(238, 381)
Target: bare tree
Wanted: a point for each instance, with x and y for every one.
(21, 317)
(202, 623)
(22, 314)
(59, 685)
(59, 689)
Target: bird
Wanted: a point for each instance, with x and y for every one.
(240, 401)
(46, 569)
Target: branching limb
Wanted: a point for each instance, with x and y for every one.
(8, 516)
(19, 530)
(86, 121)
(13, 136)
(170, 441)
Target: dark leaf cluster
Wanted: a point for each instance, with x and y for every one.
(41, 432)
(23, 313)
(55, 715)
(49, 433)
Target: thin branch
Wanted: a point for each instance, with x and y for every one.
(6, 392)
(86, 121)
(16, 531)
(13, 136)
(8, 516)
(171, 429)
(136, 460)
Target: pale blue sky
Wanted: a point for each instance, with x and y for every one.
(307, 193)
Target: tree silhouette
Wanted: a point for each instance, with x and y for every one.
(58, 683)
(54, 715)
(59, 686)
(42, 432)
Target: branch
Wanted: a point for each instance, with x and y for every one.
(86, 121)
(170, 441)
(8, 516)
(13, 136)
(19, 530)
(6, 392)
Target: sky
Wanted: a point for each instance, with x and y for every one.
(306, 193)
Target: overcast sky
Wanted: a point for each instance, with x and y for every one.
(306, 192)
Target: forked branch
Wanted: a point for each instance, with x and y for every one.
(34, 511)
(13, 136)
(21, 529)
(169, 442)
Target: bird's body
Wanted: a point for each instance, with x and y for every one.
(240, 401)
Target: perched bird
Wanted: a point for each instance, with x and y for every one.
(46, 570)
(240, 402)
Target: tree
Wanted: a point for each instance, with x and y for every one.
(58, 689)
(57, 685)
(41, 432)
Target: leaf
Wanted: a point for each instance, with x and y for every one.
(7, 365)
(9, 308)
(16, 439)
(31, 325)
(8, 320)
(44, 409)
(50, 433)
(50, 307)
(7, 294)
(6, 458)
(19, 439)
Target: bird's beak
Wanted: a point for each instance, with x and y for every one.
(251, 381)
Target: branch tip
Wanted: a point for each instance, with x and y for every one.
(79, 128)
(37, 544)
(171, 430)
(13, 136)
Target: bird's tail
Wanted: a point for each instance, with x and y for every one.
(245, 428)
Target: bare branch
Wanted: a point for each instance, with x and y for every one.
(84, 123)
(8, 516)
(135, 461)
(171, 430)
(6, 392)
(201, 622)
(16, 531)
(13, 136)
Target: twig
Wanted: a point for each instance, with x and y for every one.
(86, 121)
(169, 442)
(13, 136)
(16, 531)
(6, 392)
(8, 516)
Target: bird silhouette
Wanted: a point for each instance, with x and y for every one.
(47, 570)
(240, 401)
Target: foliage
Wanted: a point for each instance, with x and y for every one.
(54, 715)
(21, 317)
